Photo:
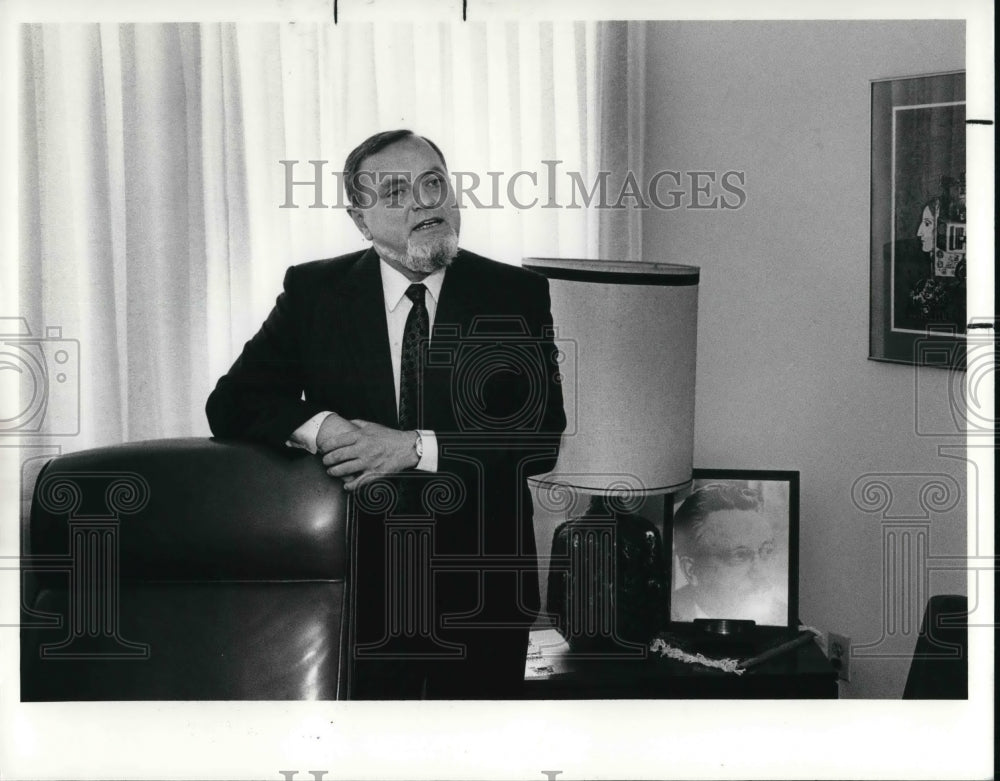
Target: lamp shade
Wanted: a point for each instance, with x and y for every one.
(627, 334)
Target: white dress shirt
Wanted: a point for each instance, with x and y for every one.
(397, 308)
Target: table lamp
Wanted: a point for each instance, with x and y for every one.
(627, 333)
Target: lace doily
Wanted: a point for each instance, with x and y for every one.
(663, 648)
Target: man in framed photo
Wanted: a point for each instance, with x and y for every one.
(726, 550)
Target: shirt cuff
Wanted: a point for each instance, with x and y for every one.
(429, 460)
(304, 436)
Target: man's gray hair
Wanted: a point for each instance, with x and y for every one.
(370, 146)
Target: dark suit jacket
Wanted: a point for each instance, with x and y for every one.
(491, 395)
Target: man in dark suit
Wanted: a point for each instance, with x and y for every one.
(425, 377)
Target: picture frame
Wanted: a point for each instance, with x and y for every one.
(734, 547)
(918, 287)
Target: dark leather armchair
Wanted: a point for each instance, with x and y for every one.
(185, 569)
(940, 666)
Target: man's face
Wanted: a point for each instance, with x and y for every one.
(410, 212)
(731, 565)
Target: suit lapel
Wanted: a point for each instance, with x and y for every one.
(364, 307)
(457, 301)
(452, 326)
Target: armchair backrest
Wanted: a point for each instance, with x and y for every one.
(198, 509)
(185, 569)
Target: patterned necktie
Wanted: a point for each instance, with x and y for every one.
(415, 333)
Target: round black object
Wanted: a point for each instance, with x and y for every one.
(728, 627)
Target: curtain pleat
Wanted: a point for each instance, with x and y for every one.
(621, 57)
(152, 229)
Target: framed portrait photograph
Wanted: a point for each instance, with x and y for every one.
(734, 548)
(918, 221)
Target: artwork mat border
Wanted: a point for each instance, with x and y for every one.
(887, 344)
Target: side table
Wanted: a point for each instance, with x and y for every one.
(553, 673)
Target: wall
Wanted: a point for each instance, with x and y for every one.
(783, 376)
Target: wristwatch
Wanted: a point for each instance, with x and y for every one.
(419, 446)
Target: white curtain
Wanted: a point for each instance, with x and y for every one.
(151, 184)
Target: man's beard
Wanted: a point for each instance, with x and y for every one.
(424, 256)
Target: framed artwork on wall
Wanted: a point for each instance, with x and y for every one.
(918, 232)
(735, 548)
